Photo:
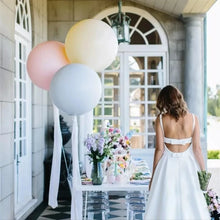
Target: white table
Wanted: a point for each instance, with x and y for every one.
(111, 187)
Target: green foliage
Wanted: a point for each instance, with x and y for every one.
(214, 101)
(204, 178)
(214, 154)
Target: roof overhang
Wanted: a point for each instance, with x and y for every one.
(178, 7)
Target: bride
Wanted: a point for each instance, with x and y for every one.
(174, 189)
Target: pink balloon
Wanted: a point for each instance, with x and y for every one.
(44, 61)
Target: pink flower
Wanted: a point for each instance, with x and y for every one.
(211, 208)
(211, 193)
(111, 129)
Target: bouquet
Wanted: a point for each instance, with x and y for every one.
(97, 149)
(213, 203)
(204, 178)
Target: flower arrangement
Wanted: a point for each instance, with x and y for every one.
(117, 166)
(110, 144)
(96, 147)
(213, 203)
(107, 143)
(114, 140)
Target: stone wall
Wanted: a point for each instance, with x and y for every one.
(39, 104)
(7, 68)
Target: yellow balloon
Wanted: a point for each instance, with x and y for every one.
(91, 42)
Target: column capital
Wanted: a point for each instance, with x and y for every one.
(192, 18)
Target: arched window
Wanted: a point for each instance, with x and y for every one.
(22, 107)
(132, 82)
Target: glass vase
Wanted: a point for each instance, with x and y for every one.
(97, 174)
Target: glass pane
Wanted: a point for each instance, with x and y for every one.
(137, 94)
(20, 90)
(14, 130)
(136, 38)
(24, 128)
(115, 65)
(153, 78)
(20, 71)
(154, 38)
(111, 94)
(134, 18)
(15, 109)
(138, 125)
(108, 110)
(109, 82)
(97, 111)
(97, 125)
(151, 125)
(24, 110)
(20, 52)
(20, 109)
(151, 141)
(20, 148)
(111, 79)
(137, 110)
(137, 141)
(114, 123)
(24, 52)
(136, 78)
(24, 147)
(152, 110)
(24, 72)
(153, 94)
(24, 91)
(136, 63)
(155, 63)
(111, 110)
(145, 26)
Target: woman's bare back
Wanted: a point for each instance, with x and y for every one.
(183, 128)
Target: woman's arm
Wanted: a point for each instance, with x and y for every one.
(196, 145)
(159, 148)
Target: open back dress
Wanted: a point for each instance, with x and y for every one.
(175, 190)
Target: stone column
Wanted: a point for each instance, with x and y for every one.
(194, 70)
(194, 66)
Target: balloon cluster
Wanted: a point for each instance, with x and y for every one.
(68, 70)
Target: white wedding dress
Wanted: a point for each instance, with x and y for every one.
(175, 190)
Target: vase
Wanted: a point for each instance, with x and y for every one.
(215, 215)
(97, 174)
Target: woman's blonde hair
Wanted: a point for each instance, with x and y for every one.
(170, 100)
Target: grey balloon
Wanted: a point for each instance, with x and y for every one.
(75, 89)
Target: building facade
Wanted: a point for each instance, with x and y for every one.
(167, 47)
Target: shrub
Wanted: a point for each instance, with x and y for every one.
(214, 154)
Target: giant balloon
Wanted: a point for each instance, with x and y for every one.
(91, 42)
(43, 62)
(75, 89)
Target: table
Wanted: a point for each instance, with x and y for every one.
(111, 187)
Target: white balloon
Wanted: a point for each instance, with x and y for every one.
(91, 42)
(75, 89)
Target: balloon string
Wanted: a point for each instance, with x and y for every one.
(77, 202)
(56, 161)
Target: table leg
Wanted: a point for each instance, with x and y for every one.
(85, 208)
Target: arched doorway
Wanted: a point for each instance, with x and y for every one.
(131, 83)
